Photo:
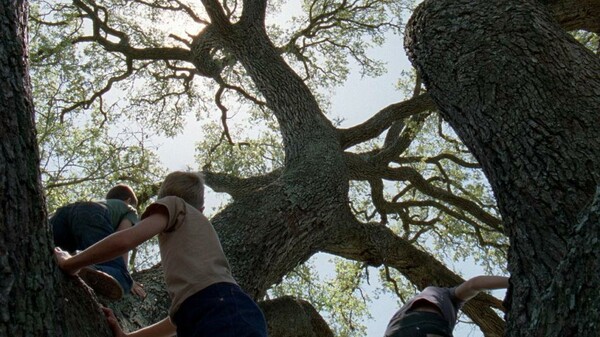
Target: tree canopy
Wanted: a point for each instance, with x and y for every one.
(398, 191)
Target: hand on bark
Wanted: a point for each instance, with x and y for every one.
(138, 289)
(113, 323)
(62, 259)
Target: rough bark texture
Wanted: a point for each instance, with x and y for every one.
(574, 288)
(576, 14)
(524, 96)
(35, 297)
(27, 277)
(291, 317)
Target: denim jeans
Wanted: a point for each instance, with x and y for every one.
(78, 226)
(223, 310)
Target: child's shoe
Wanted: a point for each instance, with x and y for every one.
(102, 283)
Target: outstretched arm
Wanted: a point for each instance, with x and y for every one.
(125, 224)
(113, 245)
(137, 288)
(473, 286)
(163, 328)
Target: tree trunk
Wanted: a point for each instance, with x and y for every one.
(27, 277)
(574, 288)
(524, 96)
(35, 297)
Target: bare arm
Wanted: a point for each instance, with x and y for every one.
(112, 246)
(163, 328)
(136, 288)
(125, 224)
(473, 286)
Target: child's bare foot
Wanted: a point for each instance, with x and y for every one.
(102, 283)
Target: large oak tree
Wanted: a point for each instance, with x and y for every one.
(527, 104)
(519, 91)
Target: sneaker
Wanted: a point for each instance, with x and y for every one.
(102, 283)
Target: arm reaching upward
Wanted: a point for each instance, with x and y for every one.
(473, 286)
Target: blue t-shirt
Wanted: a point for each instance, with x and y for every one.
(120, 210)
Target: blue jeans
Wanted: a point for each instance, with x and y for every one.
(223, 310)
(78, 226)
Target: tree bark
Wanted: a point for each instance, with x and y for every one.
(35, 297)
(291, 317)
(524, 96)
(576, 14)
(27, 277)
(574, 290)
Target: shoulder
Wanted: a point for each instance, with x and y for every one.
(173, 207)
(118, 204)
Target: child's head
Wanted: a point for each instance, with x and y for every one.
(123, 192)
(189, 186)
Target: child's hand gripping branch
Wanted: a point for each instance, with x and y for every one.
(61, 259)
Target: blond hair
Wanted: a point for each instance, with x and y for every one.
(189, 186)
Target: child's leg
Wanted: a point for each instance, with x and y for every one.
(116, 268)
(102, 283)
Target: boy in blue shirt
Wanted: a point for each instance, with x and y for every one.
(81, 224)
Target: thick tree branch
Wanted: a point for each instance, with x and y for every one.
(576, 14)
(382, 120)
(238, 187)
(402, 142)
(292, 317)
(437, 159)
(254, 12)
(216, 14)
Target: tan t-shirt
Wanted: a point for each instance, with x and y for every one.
(191, 253)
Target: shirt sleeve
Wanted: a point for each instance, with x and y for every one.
(132, 216)
(175, 208)
(458, 303)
